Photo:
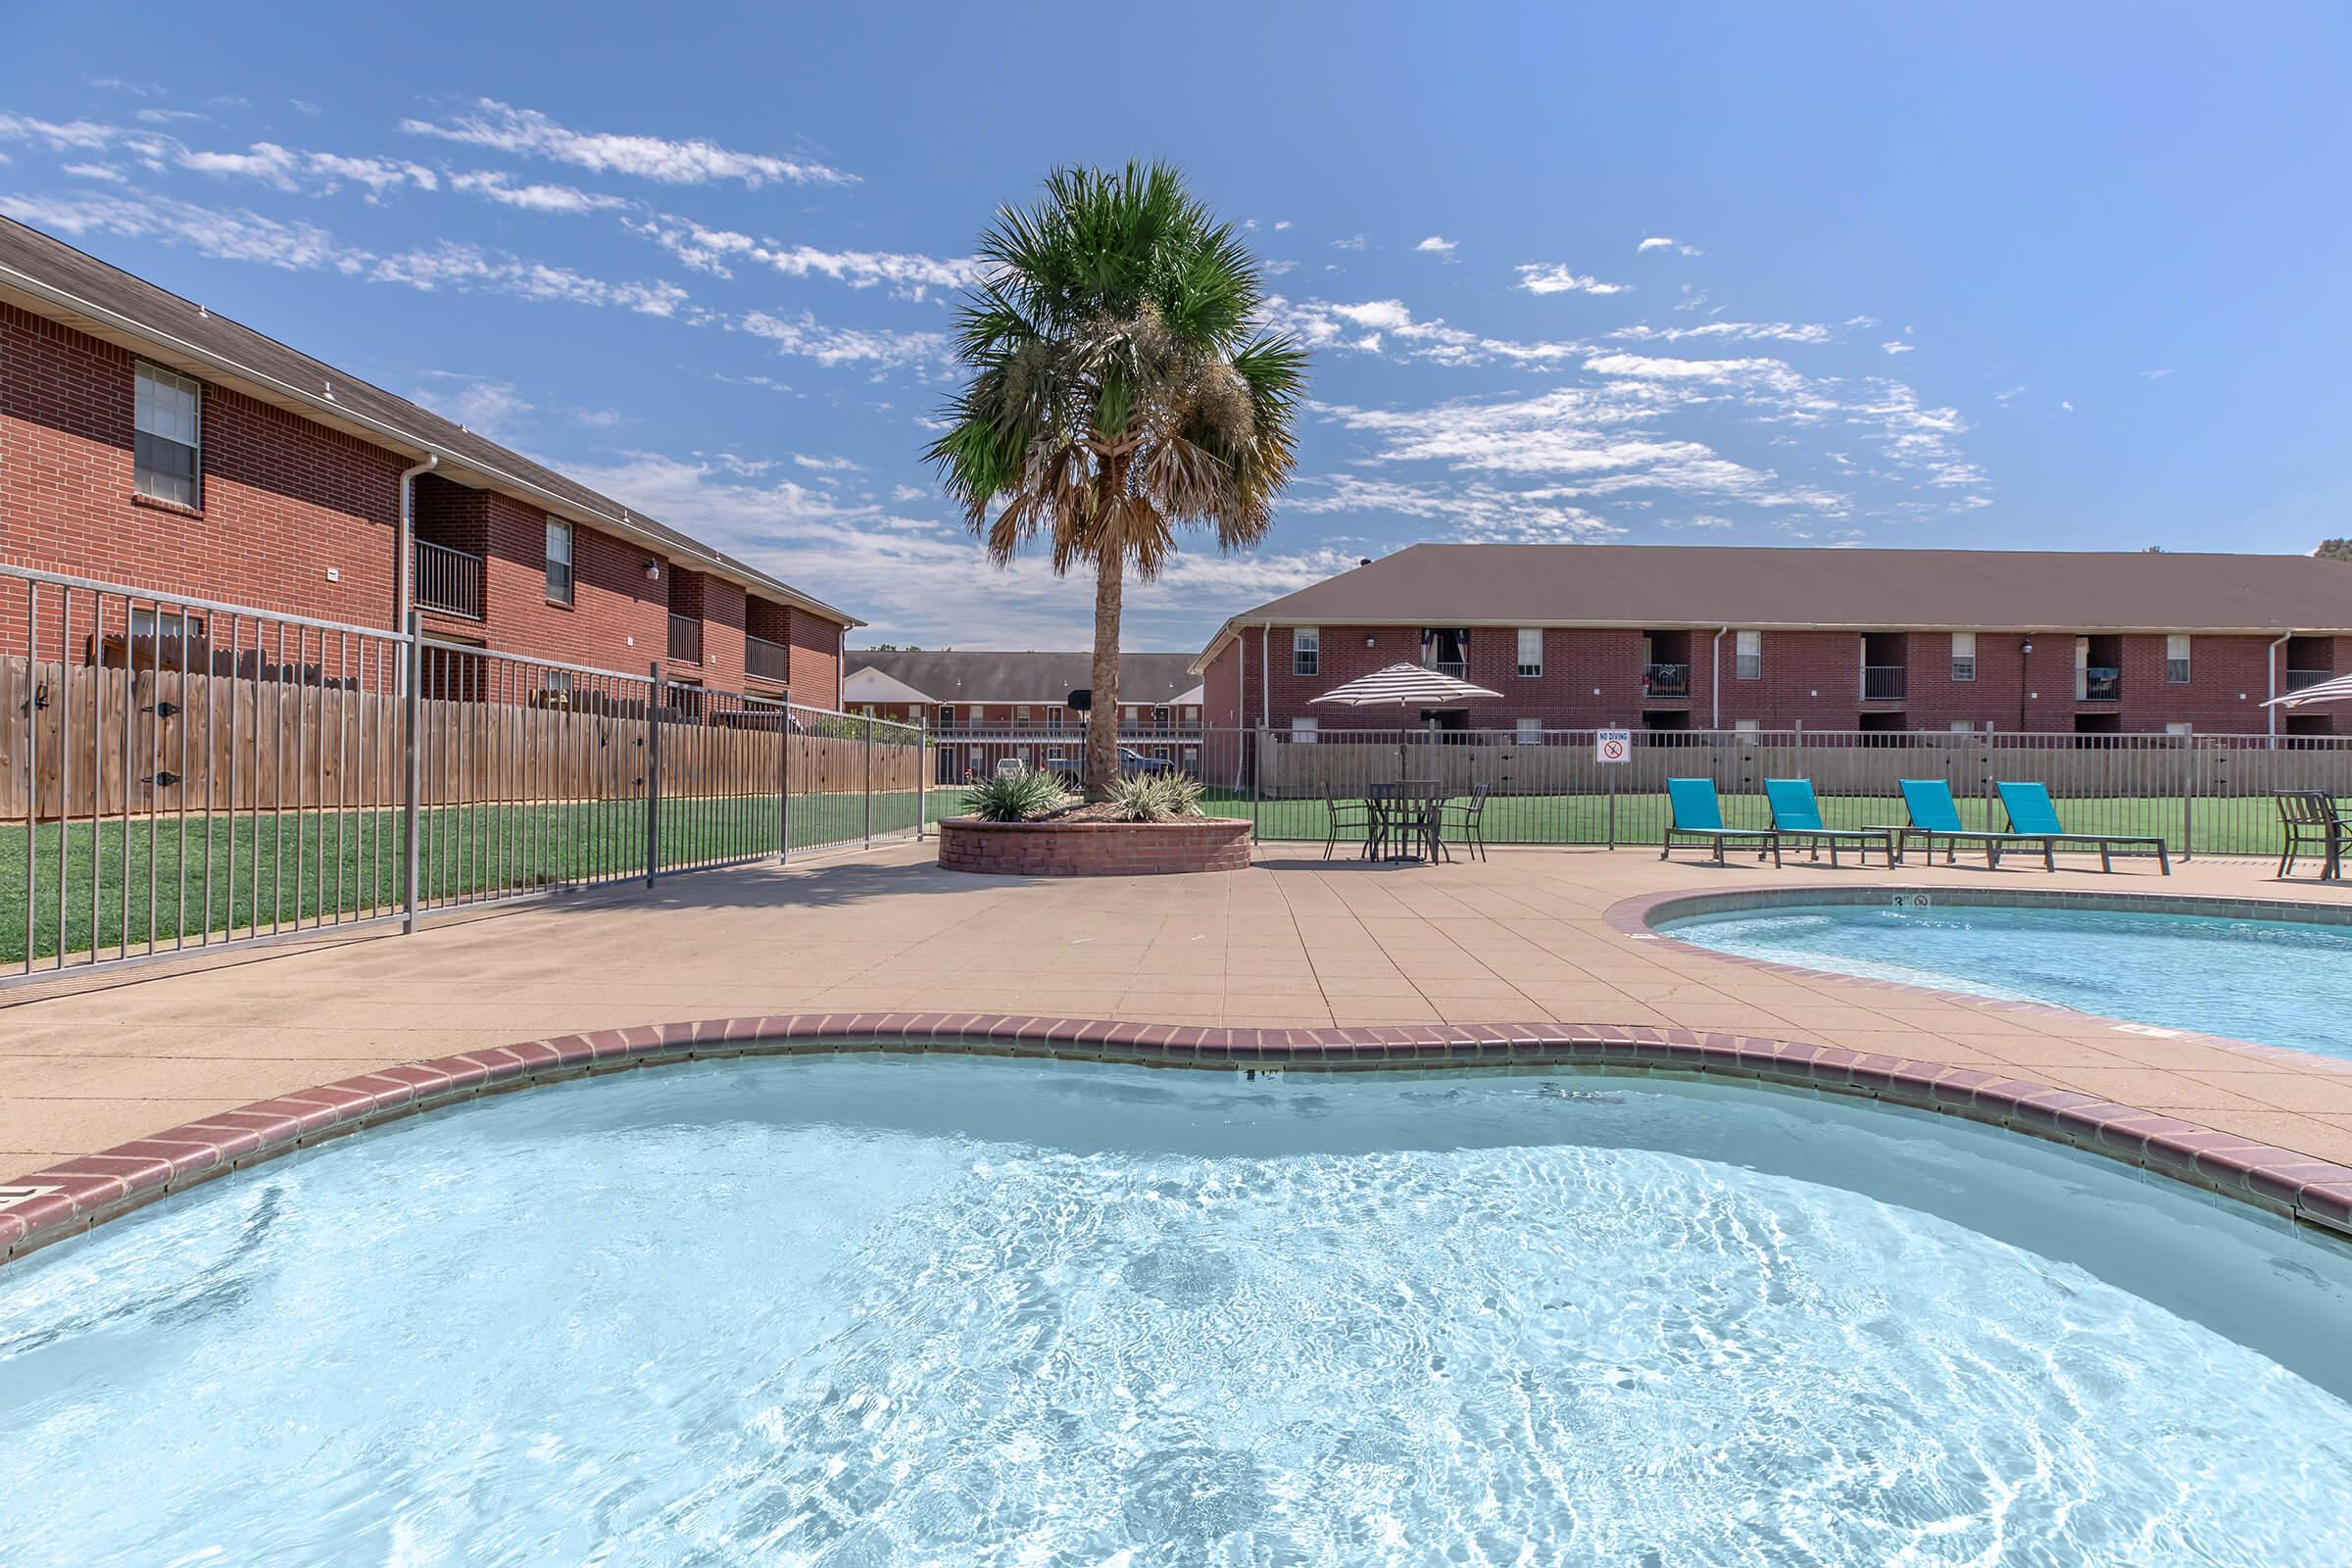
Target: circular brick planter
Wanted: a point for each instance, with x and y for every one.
(1093, 848)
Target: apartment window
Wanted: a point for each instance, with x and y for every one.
(1964, 726)
(1747, 726)
(1531, 732)
(1303, 731)
(1020, 716)
(555, 682)
(2180, 727)
(173, 623)
(1159, 719)
(2176, 660)
(1747, 656)
(1306, 650)
(947, 715)
(558, 562)
(1530, 650)
(1964, 655)
(167, 443)
(1053, 719)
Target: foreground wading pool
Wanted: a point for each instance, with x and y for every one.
(864, 1310)
(2279, 982)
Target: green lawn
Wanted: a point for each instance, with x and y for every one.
(269, 873)
(2238, 825)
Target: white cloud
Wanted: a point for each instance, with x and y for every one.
(1437, 243)
(711, 250)
(1354, 242)
(2068, 407)
(485, 406)
(526, 132)
(165, 116)
(1660, 242)
(242, 236)
(103, 172)
(1898, 345)
(826, 465)
(599, 418)
(71, 135)
(536, 198)
(1376, 326)
(281, 167)
(1282, 222)
(1554, 277)
(807, 337)
(1476, 511)
(1731, 331)
(2158, 376)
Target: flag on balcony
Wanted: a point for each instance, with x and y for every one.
(1404, 686)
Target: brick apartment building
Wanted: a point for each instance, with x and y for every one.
(984, 706)
(146, 441)
(1693, 637)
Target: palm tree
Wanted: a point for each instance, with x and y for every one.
(1120, 386)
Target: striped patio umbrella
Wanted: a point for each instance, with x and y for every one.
(2338, 689)
(1403, 686)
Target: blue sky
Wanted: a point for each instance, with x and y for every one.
(2030, 276)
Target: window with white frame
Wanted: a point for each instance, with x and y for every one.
(1747, 656)
(1964, 655)
(1747, 726)
(167, 456)
(2176, 660)
(1964, 726)
(1020, 714)
(558, 562)
(2180, 727)
(1530, 650)
(1531, 732)
(555, 682)
(1303, 731)
(173, 623)
(1306, 650)
(1053, 717)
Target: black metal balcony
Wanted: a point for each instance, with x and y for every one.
(2100, 683)
(1883, 683)
(449, 580)
(1666, 681)
(769, 661)
(2299, 679)
(685, 638)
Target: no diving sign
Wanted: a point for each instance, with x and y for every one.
(1613, 745)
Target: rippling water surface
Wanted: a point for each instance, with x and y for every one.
(2279, 981)
(856, 1311)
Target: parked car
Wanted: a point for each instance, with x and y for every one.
(1132, 760)
(1010, 767)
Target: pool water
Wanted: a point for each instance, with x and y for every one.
(2279, 982)
(862, 1310)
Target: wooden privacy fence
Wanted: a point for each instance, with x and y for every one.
(109, 742)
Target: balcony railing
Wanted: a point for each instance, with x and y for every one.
(2297, 679)
(765, 660)
(1666, 681)
(1457, 668)
(685, 638)
(1883, 683)
(2100, 683)
(449, 580)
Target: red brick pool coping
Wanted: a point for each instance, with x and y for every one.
(1640, 915)
(73, 1195)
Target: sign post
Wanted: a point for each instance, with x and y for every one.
(1612, 748)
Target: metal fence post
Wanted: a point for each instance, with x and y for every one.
(411, 774)
(786, 768)
(1257, 793)
(870, 781)
(922, 778)
(1612, 773)
(2188, 790)
(653, 775)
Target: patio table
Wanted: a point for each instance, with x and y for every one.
(1406, 809)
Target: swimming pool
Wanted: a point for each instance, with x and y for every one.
(2277, 982)
(855, 1311)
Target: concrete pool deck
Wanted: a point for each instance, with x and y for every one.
(1524, 937)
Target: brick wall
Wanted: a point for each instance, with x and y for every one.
(1593, 677)
(286, 502)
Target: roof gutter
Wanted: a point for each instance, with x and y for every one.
(398, 438)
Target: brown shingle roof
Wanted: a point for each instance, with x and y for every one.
(949, 676)
(1702, 585)
(52, 280)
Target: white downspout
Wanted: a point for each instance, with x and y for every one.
(1241, 705)
(407, 539)
(1265, 677)
(2273, 673)
(1715, 677)
(407, 554)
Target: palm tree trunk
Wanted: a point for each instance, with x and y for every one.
(1102, 720)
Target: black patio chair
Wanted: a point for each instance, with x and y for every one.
(1469, 820)
(1347, 819)
(2311, 820)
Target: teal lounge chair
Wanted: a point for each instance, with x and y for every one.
(1697, 816)
(2031, 815)
(1934, 814)
(1796, 815)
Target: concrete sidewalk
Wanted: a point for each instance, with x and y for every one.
(1295, 941)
